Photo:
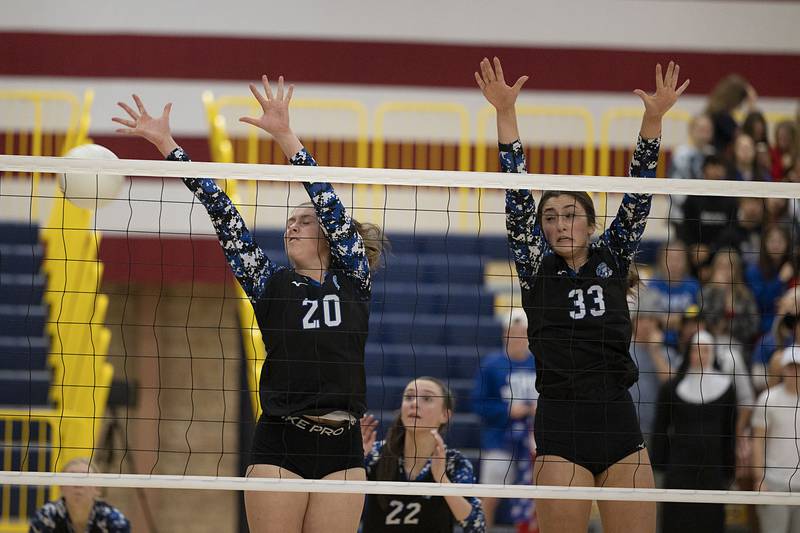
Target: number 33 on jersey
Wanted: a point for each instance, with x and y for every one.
(597, 307)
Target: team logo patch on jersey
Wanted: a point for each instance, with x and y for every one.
(298, 283)
(604, 271)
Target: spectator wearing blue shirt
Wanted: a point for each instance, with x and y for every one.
(79, 509)
(770, 278)
(781, 335)
(676, 286)
(657, 362)
(505, 398)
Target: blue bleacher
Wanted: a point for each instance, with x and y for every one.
(24, 372)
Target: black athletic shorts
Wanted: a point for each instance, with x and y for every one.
(308, 448)
(592, 434)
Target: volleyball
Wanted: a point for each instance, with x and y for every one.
(89, 190)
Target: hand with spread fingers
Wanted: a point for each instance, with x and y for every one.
(275, 117)
(141, 124)
(657, 104)
(494, 87)
(667, 91)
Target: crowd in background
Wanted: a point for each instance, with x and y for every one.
(714, 324)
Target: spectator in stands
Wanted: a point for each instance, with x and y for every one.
(694, 441)
(755, 125)
(690, 323)
(784, 152)
(675, 285)
(415, 451)
(792, 174)
(706, 220)
(745, 232)
(505, 398)
(656, 361)
(728, 306)
(687, 159)
(776, 441)
(731, 92)
(79, 509)
(780, 336)
(746, 164)
(776, 212)
(771, 276)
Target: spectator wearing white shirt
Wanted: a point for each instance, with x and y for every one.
(776, 432)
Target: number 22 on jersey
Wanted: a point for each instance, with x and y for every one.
(396, 516)
(597, 306)
(331, 312)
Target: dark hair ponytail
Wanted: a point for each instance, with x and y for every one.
(375, 241)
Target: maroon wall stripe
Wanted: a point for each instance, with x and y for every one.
(162, 259)
(375, 63)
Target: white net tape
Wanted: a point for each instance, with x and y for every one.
(488, 180)
(432, 178)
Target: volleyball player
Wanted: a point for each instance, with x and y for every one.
(313, 318)
(415, 451)
(579, 327)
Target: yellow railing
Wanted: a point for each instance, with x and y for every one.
(39, 449)
(433, 109)
(25, 131)
(222, 146)
(556, 161)
(675, 118)
(427, 108)
(79, 344)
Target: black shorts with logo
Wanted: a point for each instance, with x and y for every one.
(591, 434)
(308, 448)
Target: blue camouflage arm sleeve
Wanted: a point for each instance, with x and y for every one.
(525, 240)
(371, 459)
(625, 232)
(459, 470)
(250, 265)
(347, 246)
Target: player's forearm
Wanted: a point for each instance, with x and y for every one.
(289, 143)
(458, 505)
(651, 127)
(507, 129)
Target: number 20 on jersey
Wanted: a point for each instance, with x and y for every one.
(329, 308)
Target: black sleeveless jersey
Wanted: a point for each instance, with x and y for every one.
(402, 514)
(314, 334)
(315, 337)
(579, 327)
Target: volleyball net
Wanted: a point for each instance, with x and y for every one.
(127, 340)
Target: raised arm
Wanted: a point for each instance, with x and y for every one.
(250, 265)
(526, 242)
(347, 246)
(625, 232)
